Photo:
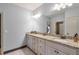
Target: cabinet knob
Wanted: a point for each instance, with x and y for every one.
(40, 46)
(56, 51)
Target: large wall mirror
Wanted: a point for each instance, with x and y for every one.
(66, 22)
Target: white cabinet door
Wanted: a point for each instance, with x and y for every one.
(33, 43)
(53, 51)
(36, 45)
(63, 48)
(50, 51)
(29, 42)
(41, 46)
(54, 48)
(27, 38)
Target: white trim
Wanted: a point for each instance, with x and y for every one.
(2, 29)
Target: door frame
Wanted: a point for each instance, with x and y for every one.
(2, 30)
(57, 27)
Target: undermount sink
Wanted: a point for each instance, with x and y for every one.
(63, 37)
(66, 37)
(44, 34)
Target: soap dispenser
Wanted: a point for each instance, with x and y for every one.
(48, 29)
(76, 37)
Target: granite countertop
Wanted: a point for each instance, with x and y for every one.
(69, 42)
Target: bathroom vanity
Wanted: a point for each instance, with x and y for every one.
(51, 45)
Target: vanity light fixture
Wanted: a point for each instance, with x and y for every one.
(60, 6)
(69, 4)
(56, 7)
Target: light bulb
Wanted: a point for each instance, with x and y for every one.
(70, 4)
(56, 7)
(64, 6)
(61, 6)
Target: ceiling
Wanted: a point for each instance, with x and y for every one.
(47, 9)
(44, 8)
(29, 6)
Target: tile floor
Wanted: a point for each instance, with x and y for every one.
(23, 51)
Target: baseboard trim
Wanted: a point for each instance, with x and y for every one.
(32, 50)
(15, 49)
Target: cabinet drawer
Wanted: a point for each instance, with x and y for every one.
(61, 47)
(53, 51)
(50, 51)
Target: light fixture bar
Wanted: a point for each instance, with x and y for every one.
(61, 6)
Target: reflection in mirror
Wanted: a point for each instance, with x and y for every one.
(59, 28)
(70, 21)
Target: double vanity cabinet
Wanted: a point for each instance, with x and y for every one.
(43, 45)
(36, 44)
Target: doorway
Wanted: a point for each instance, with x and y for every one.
(59, 28)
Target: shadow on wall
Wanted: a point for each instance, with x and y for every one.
(25, 50)
(25, 40)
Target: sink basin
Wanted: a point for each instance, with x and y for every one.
(44, 34)
(63, 37)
